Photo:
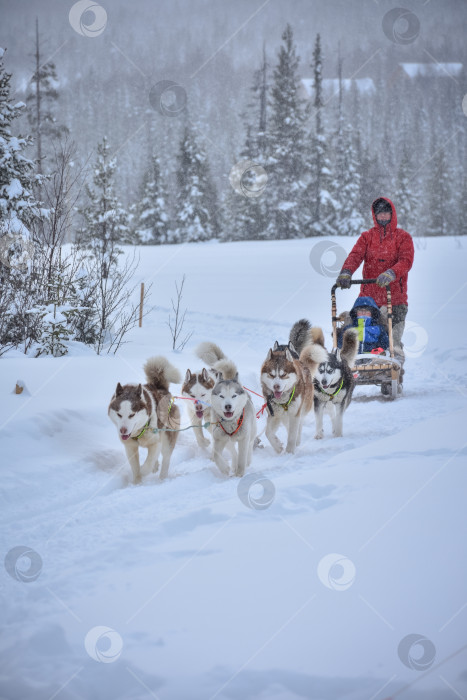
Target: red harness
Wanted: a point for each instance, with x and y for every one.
(239, 425)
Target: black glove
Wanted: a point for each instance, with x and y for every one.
(344, 279)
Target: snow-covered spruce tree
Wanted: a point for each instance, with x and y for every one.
(18, 213)
(405, 196)
(105, 228)
(439, 209)
(250, 212)
(55, 323)
(64, 309)
(151, 218)
(349, 219)
(321, 207)
(196, 215)
(460, 227)
(285, 146)
(41, 99)
(256, 116)
(372, 182)
(105, 220)
(17, 177)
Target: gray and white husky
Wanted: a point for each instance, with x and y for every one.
(233, 417)
(334, 384)
(145, 416)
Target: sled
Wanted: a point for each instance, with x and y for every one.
(382, 370)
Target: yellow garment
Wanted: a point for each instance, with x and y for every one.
(361, 329)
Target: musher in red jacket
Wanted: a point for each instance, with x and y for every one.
(387, 255)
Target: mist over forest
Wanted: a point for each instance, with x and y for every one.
(403, 128)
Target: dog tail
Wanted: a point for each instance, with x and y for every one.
(226, 368)
(349, 345)
(317, 335)
(312, 355)
(209, 353)
(300, 334)
(303, 333)
(159, 372)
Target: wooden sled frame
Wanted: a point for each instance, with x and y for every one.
(379, 370)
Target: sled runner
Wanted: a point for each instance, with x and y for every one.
(382, 369)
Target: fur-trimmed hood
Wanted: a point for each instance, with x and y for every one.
(366, 301)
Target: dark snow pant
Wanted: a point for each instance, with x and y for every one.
(399, 313)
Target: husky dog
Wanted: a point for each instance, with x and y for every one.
(334, 383)
(233, 419)
(287, 382)
(139, 410)
(198, 386)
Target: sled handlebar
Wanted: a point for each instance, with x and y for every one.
(335, 286)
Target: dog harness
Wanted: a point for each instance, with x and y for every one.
(239, 425)
(137, 437)
(285, 406)
(331, 396)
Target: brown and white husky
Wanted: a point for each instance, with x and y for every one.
(145, 415)
(197, 387)
(287, 382)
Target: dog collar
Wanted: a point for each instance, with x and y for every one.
(136, 437)
(331, 396)
(239, 425)
(285, 406)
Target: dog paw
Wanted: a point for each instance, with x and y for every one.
(319, 436)
(290, 450)
(204, 442)
(148, 468)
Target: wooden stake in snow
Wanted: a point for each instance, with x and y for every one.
(141, 305)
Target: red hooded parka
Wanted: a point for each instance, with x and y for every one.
(380, 252)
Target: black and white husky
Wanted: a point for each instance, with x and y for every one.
(334, 384)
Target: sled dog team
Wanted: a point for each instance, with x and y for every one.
(294, 378)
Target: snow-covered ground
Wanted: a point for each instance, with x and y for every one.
(313, 596)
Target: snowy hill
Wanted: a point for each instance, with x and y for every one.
(361, 542)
